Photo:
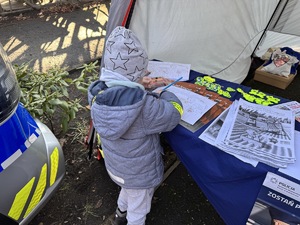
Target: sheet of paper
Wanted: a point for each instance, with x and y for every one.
(265, 130)
(222, 103)
(226, 125)
(169, 70)
(194, 105)
(262, 133)
(293, 169)
(211, 132)
(210, 135)
(293, 105)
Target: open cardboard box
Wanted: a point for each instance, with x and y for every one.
(273, 79)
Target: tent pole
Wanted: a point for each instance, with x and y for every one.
(127, 17)
(269, 23)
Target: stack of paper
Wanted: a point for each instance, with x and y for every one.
(293, 105)
(255, 133)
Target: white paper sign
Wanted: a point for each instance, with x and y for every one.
(282, 185)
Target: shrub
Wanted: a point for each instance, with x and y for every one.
(46, 95)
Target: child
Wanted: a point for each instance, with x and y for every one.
(129, 120)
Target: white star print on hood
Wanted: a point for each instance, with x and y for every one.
(125, 54)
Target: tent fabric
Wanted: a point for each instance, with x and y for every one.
(117, 12)
(216, 37)
(275, 39)
(283, 30)
(288, 21)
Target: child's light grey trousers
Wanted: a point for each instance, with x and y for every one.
(137, 203)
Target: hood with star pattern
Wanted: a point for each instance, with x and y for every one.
(125, 55)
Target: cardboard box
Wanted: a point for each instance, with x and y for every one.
(273, 79)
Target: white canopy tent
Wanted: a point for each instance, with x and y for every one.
(284, 28)
(217, 38)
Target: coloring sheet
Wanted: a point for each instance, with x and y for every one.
(222, 103)
(194, 105)
(293, 169)
(260, 132)
(169, 70)
(211, 133)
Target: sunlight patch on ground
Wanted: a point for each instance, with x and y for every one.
(14, 48)
(101, 14)
(51, 61)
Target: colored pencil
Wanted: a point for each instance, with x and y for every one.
(174, 82)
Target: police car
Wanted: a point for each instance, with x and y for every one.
(31, 158)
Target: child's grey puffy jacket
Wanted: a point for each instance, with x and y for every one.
(129, 120)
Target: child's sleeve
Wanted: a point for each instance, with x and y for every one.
(172, 98)
(162, 114)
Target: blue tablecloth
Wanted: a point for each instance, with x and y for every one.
(229, 184)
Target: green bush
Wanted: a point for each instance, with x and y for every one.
(46, 95)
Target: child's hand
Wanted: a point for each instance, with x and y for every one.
(146, 82)
(149, 82)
